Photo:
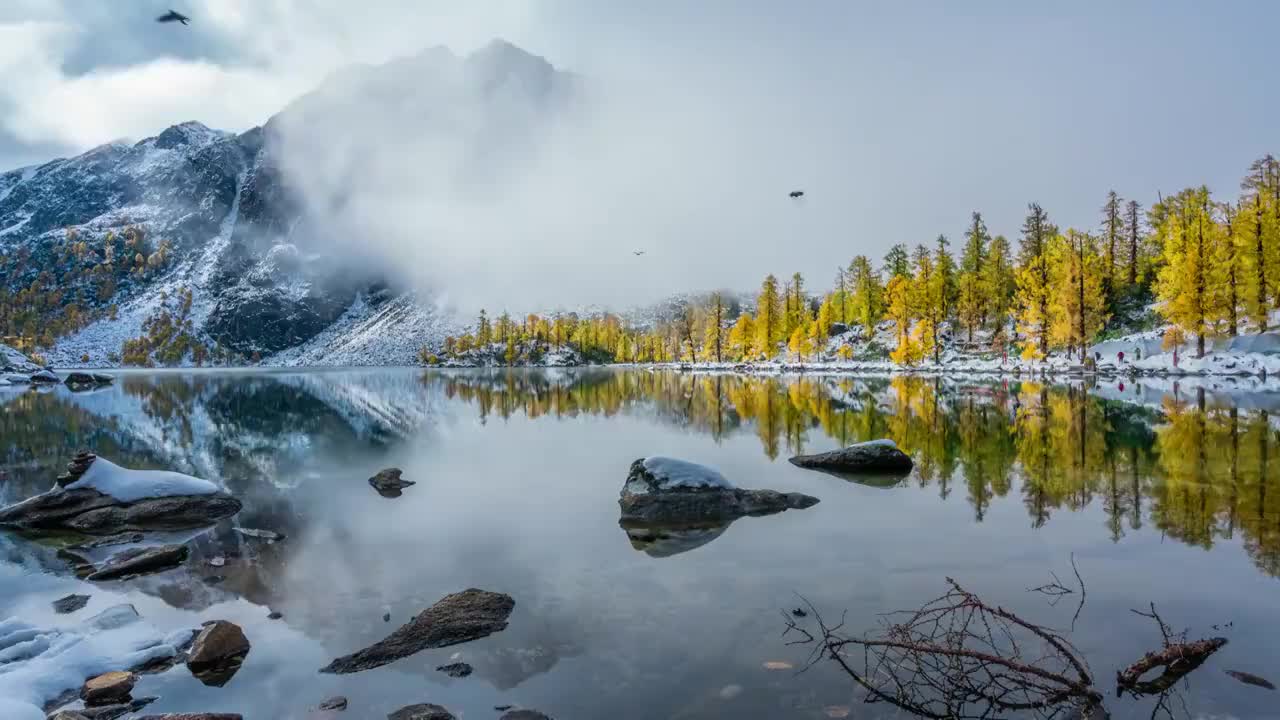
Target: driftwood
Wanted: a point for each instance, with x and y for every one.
(958, 657)
(1177, 656)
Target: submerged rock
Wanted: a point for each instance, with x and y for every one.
(217, 653)
(455, 670)
(1251, 679)
(337, 704)
(662, 491)
(70, 603)
(457, 618)
(524, 715)
(388, 482)
(108, 688)
(875, 456)
(141, 561)
(193, 716)
(422, 711)
(97, 497)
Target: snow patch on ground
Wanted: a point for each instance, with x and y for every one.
(128, 485)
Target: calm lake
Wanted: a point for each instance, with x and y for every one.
(1162, 495)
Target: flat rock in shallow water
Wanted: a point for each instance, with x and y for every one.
(70, 603)
(524, 715)
(876, 456)
(141, 561)
(422, 711)
(337, 704)
(108, 688)
(662, 491)
(457, 618)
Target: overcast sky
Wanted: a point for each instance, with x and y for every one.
(897, 118)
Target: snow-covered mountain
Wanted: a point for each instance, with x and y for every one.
(124, 231)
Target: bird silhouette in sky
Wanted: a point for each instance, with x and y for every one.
(637, 253)
(173, 16)
(797, 194)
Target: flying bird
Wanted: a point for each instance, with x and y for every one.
(797, 193)
(173, 16)
(637, 253)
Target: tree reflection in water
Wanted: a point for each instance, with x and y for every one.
(1197, 471)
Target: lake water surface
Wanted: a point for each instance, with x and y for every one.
(1162, 496)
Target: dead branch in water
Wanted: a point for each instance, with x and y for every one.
(958, 657)
(1177, 656)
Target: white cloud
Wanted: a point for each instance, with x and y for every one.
(271, 51)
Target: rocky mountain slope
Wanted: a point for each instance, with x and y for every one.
(226, 239)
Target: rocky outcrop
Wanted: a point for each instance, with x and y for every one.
(70, 603)
(876, 456)
(44, 377)
(141, 561)
(388, 482)
(457, 618)
(217, 653)
(661, 491)
(422, 711)
(91, 511)
(108, 688)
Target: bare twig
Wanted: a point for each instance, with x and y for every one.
(1084, 593)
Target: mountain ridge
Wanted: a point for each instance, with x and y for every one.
(215, 231)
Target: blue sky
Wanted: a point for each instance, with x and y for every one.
(898, 118)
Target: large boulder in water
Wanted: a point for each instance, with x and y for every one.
(661, 491)
(457, 618)
(876, 456)
(217, 653)
(98, 497)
